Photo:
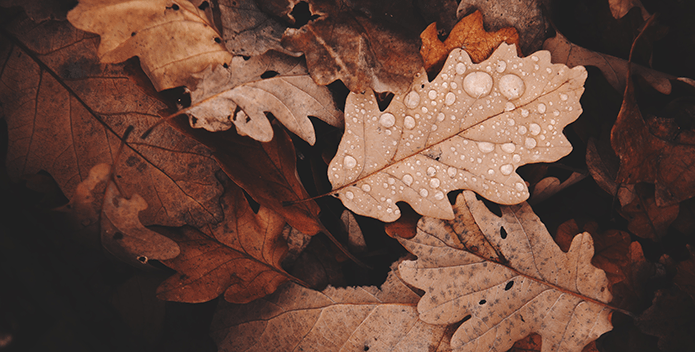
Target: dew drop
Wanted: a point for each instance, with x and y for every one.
(535, 129)
(392, 180)
(409, 122)
(460, 68)
(556, 113)
(451, 172)
(509, 147)
(511, 86)
(387, 120)
(501, 66)
(491, 172)
(434, 183)
(563, 97)
(349, 195)
(530, 143)
(407, 179)
(431, 171)
(349, 162)
(450, 98)
(439, 195)
(432, 94)
(509, 106)
(548, 70)
(412, 100)
(366, 187)
(524, 113)
(541, 108)
(477, 84)
(519, 186)
(522, 129)
(486, 147)
(506, 169)
(433, 128)
(534, 58)
(441, 116)
(423, 192)
(516, 158)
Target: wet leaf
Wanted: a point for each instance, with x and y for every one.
(468, 34)
(470, 128)
(336, 319)
(526, 285)
(244, 93)
(172, 38)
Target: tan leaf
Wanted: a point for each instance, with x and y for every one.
(272, 83)
(337, 319)
(356, 241)
(468, 34)
(550, 186)
(470, 128)
(240, 257)
(172, 38)
(529, 286)
(247, 30)
(620, 8)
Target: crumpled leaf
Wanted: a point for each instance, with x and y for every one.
(620, 8)
(337, 319)
(470, 128)
(240, 257)
(550, 186)
(469, 35)
(242, 94)
(172, 38)
(614, 69)
(518, 283)
(81, 108)
(247, 30)
(364, 52)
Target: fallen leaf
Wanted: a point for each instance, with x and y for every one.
(524, 15)
(240, 257)
(470, 128)
(685, 274)
(342, 43)
(244, 93)
(530, 286)
(614, 69)
(671, 318)
(405, 226)
(647, 156)
(172, 38)
(550, 186)
(66, 113)
(356, 241)
(645, 218)
(469, 35)
(336, 319)
(620, 8)
(247, 30)
(39, 10)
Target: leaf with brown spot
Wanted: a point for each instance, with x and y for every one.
(468, 34)
(530, 285)
(240, 256)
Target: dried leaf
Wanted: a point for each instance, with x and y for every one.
(470, 128)
(247, 30)
(356, 241)
(405, 226)
(685, 276)
(529, 286)
(80, 111)
(620, 8)
(614, 69)
(337, 319)
(272, 83)
(342, 43)
(241, 258)
(645, 218)
(172, 38)
(40, 11)
(550, 186)
(469, 35)
(671, 318)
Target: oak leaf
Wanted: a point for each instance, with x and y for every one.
(172, 38)
(336, 319)
(80, 110)
(249, 31)
(517, 283)
(468, 34)
(243, 93)
(470, 128)
(620, 8)
(239, 257)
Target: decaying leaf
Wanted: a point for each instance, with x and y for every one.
(337, 319)
(470, 128)
(529, 284)
(620, 8)
(172, 38)
(356, 241)
(247, 30)
(469, 35)
(550, 186)
(80, 110)
(242, 94)
(614, 69)
(645, 218)
(240, 257)
(342, 43)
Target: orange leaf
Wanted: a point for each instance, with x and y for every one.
(468, 34)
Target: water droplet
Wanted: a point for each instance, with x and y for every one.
(432, 94)
(424, 110)
(530, 143)
(550, 127)
(451, 171)
(534, 58)
(387, 120)
(511, 86)
(501, 66)
(477, 84)
(366, 187)
(486, 147)
(509, 147)
(535, 129)
(392, 180)
(491, 172)
(439, 195)
(522, 129)
(563, 97)
(556, 113)
(524, 113)
(431, 171)
(407, 179)
(409, 122)
(349, 195)
(516, 158)
(434, 183)
(433, 128)
(412, 100)
(423, 192)
(450, 98)
(541, 108)
(349, 162)
(548, 70)
(506, 169)
(519, 186)
(509, 106)
(460, 68)
(441, 116)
